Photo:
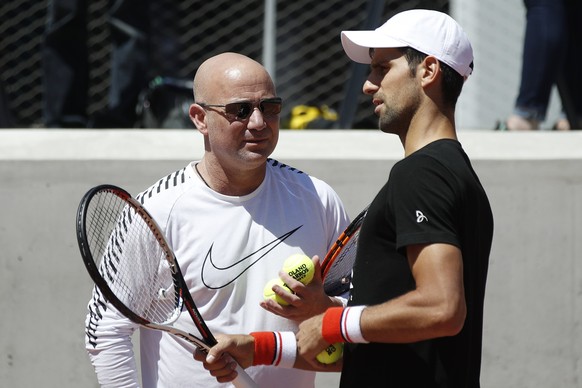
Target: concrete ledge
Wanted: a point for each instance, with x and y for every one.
(320, 144)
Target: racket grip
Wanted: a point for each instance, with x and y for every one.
(243, 380)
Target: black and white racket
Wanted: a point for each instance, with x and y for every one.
(128, 258)
(336, 267)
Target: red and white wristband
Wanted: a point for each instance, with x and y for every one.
(277, 348)
(342, 324)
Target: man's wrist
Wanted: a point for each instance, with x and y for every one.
(275, 348)
(342, 324)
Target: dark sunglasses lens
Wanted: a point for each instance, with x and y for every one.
(240, 110)
(270, 108)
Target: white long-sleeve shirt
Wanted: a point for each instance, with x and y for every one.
(227, 248)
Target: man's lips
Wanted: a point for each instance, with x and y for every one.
(378, 104)
(256, 140)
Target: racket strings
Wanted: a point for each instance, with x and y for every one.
(131, 260)
(339, 275)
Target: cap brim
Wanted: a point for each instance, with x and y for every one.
(357, 44)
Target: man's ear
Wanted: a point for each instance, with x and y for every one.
(198, 117)
(430, 70)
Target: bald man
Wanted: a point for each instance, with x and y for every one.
(231, 218)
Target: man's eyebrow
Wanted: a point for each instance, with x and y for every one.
(371, 52)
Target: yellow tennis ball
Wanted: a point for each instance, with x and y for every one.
(331, 354)
(299, 267)
(268, 292)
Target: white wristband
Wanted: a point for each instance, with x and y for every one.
(351, 328)
(287, 349)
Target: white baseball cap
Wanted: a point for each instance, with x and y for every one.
(430, 32)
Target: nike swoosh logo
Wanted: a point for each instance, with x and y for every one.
(235, 270)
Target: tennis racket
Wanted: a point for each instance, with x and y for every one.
(129, 260)
(336, 267)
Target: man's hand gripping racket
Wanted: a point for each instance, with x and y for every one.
(128, 258)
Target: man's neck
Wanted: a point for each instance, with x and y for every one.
(233, 182)
(425, 131)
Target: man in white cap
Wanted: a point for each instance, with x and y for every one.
(416, 311)
(415, 315)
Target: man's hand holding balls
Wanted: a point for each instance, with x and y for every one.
(301, 268)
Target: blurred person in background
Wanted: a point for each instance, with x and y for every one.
(549, 52)
(65, 63)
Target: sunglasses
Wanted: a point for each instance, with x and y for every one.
(242, 110)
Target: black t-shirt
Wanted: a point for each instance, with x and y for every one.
(432, 196)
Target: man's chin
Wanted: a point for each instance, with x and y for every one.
(257, 156)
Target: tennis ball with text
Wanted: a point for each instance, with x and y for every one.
(299, 267)
(268, 292)
(331, 354)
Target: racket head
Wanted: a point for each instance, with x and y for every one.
(127, 257)
(336, 267)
